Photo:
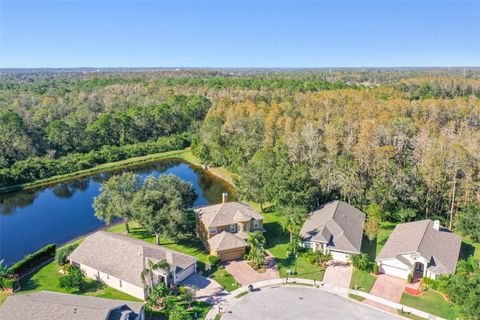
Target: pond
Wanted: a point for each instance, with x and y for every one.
(31, 219)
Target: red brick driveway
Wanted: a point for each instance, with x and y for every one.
(245, 275)
(389, 288)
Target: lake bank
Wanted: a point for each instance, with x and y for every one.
(62, 211)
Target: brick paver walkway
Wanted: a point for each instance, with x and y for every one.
(245, 275)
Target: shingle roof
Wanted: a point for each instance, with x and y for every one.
(46, 305)
(338, 224)
(440, 247)
(226, 241)
(123, 257)
(226, 213)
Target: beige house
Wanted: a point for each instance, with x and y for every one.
(335, 228)
(118, 261)
(421, 248)
(223, 228)
(45, 305)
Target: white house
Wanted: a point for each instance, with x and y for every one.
(118, 261)
(421, 248)
(335, 228)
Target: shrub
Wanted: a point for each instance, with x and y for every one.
(74, 279)
(410, 278)
(214, 261)
(8, 283)
(33, 260)
(63, 253)
(375, 268)
(360, 261)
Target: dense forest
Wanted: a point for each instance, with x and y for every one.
(402, 143)
(406, 140)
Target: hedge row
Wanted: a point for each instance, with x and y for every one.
(33, 260)
(37, 168)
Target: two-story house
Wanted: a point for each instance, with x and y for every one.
(223, 228)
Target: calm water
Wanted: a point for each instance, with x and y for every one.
(32, 219)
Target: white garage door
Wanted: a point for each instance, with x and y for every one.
(185, 273)
(339, 256)
(394, 271)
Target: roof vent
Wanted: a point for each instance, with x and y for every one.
(436, 225)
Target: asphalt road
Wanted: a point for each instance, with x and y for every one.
(305, 303)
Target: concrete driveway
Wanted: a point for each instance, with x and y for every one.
(389, 288)
(338, 275)
(295, 302)
(208, 290)
(245, 275)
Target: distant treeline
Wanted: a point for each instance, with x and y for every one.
(35, 168)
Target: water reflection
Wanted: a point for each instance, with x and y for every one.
(30, 219)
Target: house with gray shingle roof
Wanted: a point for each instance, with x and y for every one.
(421, 248)
(335, 228)
(45, 305)
(119, 260)
(224, 227)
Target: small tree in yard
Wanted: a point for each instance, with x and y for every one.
(256, 256)
(148, 273)
(157, 300)
(372, 225)
(115, 199)
(159, 206)
(359, 261)
(73, 280)
(178, 312)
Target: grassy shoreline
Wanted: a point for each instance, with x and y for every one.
(184, 154)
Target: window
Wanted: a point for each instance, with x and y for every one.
(108, 276)
(233, 228)
(212, 230)
(256, 224)
(120, 282)
(245, 227)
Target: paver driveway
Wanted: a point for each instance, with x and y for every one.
(245, 275)
(208, 290)
(387, 287)
(338, 275)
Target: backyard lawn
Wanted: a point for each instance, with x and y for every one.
(47, 279)
(193, 246)
(431, 302)
(277, 242)
(362, 280)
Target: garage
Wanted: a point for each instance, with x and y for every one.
(187, 272)
(232, 254)
(339, 256)
(394, 271)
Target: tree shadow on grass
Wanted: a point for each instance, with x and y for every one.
(369, 247)
(466, 250)
(29, 284)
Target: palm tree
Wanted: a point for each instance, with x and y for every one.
(148, 272)
(256, 255)
(292, 220)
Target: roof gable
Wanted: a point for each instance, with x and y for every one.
(440, 247)
(124, 257)
(226, 213)
(337, 223)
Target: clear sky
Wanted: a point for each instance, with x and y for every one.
(239, 34)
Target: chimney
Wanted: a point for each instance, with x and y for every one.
(224, 197)
(436, 225)
(169, 257)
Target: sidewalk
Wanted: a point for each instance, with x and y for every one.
(230, 299)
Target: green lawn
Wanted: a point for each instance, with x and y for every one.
(431, 302)
(192, 246)
(277, 242)
(47, 279)
(362, 280)
(225, 279)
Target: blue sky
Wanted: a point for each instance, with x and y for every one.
(239, 34)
